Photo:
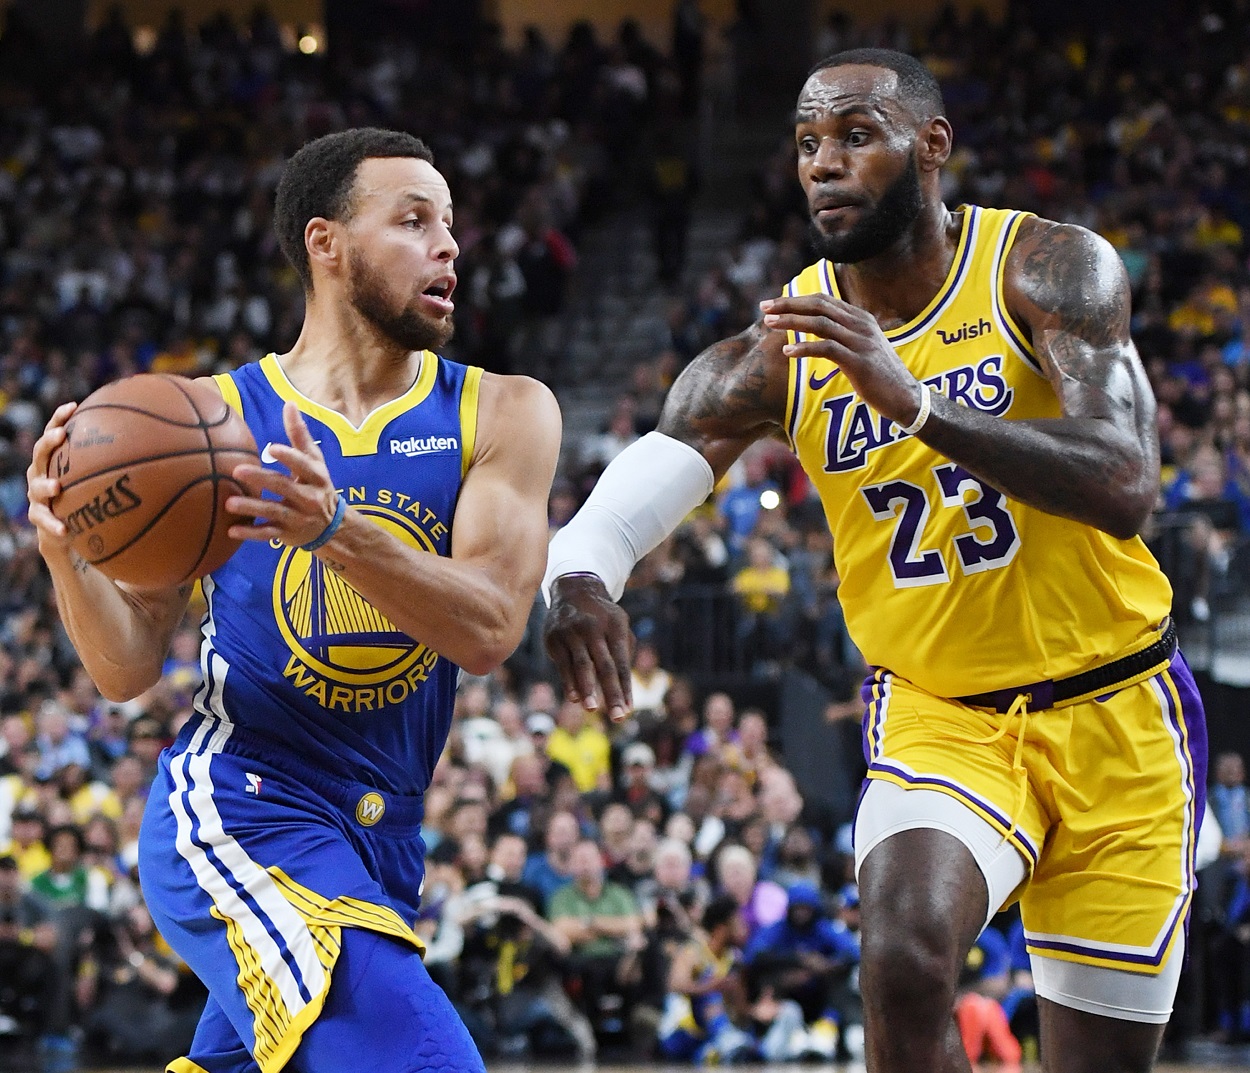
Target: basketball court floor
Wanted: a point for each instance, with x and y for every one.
(651, 1067)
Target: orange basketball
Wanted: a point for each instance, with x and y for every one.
(145, 472)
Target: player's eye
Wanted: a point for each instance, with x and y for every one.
(808, 145)
(857, 137)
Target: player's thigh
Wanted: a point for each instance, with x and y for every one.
(888, 810)
(917, 741)
(384, 1014)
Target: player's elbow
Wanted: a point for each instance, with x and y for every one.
(125, 684)
(1126, 514)
(489, 647)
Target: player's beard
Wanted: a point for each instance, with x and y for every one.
(880, 227)
(409, 328)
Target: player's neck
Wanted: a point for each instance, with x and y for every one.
(896, 285)
(340, 363)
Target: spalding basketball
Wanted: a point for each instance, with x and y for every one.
(145, 472)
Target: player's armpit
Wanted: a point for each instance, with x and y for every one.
(731, 395)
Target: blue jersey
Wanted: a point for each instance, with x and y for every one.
(292, 655)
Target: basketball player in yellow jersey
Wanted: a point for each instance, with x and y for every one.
(961, 388)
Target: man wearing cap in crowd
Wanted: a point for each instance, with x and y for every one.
(636, 791)
(539, 725)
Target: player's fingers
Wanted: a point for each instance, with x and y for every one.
(822, 305)
(51, 439)
(255, 532)
(60, 415)
(821, 348)
(40, 489)
(256, 480)
(41, 517)
(303, 467)
(297, 431)
(586, 682)
(811, 324)
(620, 651)
(560, 656)
(613, 693)
(255, 507)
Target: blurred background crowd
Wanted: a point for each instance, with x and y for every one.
(679, 884)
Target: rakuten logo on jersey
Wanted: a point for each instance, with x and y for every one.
(424, 445)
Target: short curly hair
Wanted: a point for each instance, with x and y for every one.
(319, 181)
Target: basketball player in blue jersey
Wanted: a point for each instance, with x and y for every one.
(400, 534)
(962, 391)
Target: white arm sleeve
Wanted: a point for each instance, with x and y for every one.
(642, 496)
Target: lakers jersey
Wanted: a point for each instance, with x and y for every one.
(291, 653)
(944, 580)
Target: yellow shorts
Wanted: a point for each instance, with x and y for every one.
(1101, 798)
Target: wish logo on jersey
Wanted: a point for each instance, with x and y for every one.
(344, 653)
(856, 430)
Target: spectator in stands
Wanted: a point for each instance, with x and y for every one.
(636, 790)
(552, 869)
(526, 800)
(649, 681)
(601, 922)
(580, 745)
(806, 956)
(59, 744)
(130, 990)
(27, 940)
(718, 726)
(540, 727)
(742, 503)
(705, 992)
(736, 872)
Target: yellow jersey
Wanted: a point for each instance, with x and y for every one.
(946, 581)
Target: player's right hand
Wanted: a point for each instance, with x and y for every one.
(589, 640)
(41, 487)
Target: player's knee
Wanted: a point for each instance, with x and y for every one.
(898, 972)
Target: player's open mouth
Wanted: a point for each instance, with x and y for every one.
(438, 294)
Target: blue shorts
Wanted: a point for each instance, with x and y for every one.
(268, 878)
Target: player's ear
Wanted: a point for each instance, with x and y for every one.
(323, 243)
(933, 143)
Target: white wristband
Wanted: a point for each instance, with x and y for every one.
(926, 405)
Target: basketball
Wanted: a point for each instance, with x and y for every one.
(145, 472)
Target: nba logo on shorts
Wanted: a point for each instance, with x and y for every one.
(369, 809)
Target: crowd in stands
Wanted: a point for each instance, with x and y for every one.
(661, 883)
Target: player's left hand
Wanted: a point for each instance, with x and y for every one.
(852, 339)
(305, 498)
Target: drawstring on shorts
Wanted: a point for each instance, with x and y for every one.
(1020, 707)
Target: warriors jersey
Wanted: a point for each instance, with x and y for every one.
(292, 655)
(944, 580)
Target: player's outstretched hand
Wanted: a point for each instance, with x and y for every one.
(589, 640)
(304, 501)
(42, 487)
(852, 339)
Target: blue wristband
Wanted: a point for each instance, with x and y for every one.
(327, 534)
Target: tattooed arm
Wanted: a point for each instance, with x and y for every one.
(1069, 288)
(1099, 462)
(732, 394)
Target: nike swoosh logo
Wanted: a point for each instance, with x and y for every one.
(815, 382)
(267, 455)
